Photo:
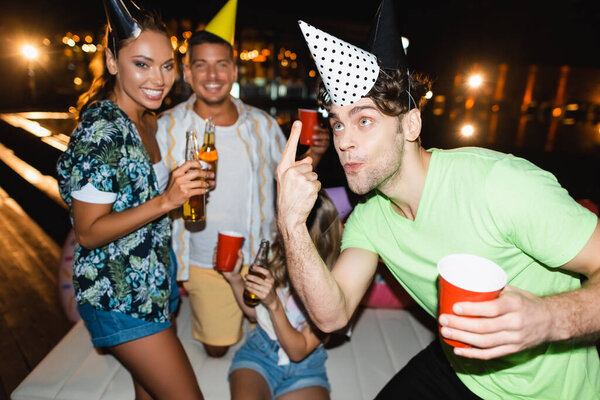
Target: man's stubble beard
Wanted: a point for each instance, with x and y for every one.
(379, 177)
(217, 102)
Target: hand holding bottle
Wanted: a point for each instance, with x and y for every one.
(194, 208)
(262, 288)
(250, 298)
(185, 181)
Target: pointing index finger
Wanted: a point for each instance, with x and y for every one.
(288, 157)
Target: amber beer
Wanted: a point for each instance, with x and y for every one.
(194, 209)
(250, 298)
(208, 152)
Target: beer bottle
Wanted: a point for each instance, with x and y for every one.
(194, 207)
(208, 151)
(250, 298)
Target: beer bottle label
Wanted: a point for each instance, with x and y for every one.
(204, 164)
(209, 156)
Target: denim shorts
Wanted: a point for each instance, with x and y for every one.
(110, 328)
(259, 353)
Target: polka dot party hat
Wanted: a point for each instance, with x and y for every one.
(348, 72)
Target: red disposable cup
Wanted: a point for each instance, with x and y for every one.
(466, 277)
(228, 246)
(309, 121)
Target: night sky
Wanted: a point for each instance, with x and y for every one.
(517, 32)
(445, 37)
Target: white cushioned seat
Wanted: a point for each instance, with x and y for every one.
(382, 342)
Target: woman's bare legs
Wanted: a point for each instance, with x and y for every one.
(159, 366)
(248, 384)
(310, 392)
(140, 392)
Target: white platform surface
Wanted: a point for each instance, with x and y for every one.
(382, 342)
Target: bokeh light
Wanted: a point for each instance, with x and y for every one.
(467, 130)
(29, 52)
(405, 42)
(475, 81)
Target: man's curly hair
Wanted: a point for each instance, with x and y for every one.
(389, 93)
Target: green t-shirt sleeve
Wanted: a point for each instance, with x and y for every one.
(535, 213)
(355, 234)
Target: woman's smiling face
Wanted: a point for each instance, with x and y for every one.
(144, 71)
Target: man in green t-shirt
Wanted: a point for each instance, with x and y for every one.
(533, 342)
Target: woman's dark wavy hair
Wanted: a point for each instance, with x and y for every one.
(104, 82)
(389, 93)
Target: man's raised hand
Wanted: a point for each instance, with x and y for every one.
(297, 184)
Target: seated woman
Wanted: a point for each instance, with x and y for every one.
(283, 357)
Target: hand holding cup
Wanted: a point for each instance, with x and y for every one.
(467, 278)
(228, 246)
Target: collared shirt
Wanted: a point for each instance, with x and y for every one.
(130, 274)
(244, 197)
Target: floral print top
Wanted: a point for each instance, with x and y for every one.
(131, 274)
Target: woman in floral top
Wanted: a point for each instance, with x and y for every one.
(111, 177)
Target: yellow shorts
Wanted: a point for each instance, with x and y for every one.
(216, 316)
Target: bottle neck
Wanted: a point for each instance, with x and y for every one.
(191, 150)
(209, 132)
(209, 139)
(262, 255)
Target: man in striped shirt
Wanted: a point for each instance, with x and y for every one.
(249, 144)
